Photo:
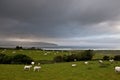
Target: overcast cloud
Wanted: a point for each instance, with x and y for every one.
(64, 22)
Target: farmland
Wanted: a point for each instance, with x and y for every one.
(41, 55)
(59, 71)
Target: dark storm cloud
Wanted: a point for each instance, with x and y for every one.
(58, 18)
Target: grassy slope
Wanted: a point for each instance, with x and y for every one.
(58, 71)
(35, 54)
(61, 71)
(39, 55)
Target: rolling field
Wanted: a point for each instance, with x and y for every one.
(35, 54)
(48, 55)
(61, 71)
(58, 71)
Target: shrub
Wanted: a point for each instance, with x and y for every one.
(86, 55)
(21, 59)
(4, 59)
(71, 57)
(7, 59)
(58, 59)
(15, 59)
(117, 57)
(106, 58)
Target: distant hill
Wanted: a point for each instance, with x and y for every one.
(27, 44)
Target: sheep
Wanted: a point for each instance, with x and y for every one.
(38, 64)
(32, 63)
(37, 68)
(86, 62)
(100, 61)
(27, 67)
(45, 54)
(111, 60)
(75, 59)
(117, 69)
(14, 52)
(73, 65)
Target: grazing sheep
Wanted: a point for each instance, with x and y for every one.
(100, 61)
(117, 69)
(38, 64)
(27, 67)
(32, 63)
(73, 65)
(37, 68)
(75, 59)
(45, 54)
(86, 62)
(14, 52)
(111, 60)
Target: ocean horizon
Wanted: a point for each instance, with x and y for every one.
(66, 47)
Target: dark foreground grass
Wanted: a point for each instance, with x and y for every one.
(62, 71)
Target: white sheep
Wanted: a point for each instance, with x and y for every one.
(14, 52)
(37, 68)
(73, 65)
(75, 59)
(117, 69)
(27, 67)
(111, 60)
(100, 61)
(38, 64)
(32, 63)
(86, 62)
(45, 54)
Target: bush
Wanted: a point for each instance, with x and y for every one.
(106, 58)
(5, 59)
(21, 59)
(71, 57)
(58, 59)
(87, 55)
(79, 56)
(117, 57)
(15, 59)
(2, 57)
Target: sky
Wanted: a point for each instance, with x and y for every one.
(87, 23)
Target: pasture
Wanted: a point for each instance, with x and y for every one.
(35, 54)
(49, 55)
(62, 71)
(59, 71)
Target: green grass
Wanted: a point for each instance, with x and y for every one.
(39, 55)
(35, 54)
(61, 71)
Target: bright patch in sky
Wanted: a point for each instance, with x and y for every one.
(87, 23)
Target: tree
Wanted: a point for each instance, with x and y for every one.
(106, 58)
(18, 47)
(117, 57)
(21, 59)
(87, 55)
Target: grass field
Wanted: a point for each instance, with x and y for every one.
(35, 54)
(40, 55)
(59, 71)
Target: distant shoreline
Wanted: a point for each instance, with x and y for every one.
(65, 48)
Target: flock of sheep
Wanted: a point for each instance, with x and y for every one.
(38, 67)
(35, 68)
(117, 68)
